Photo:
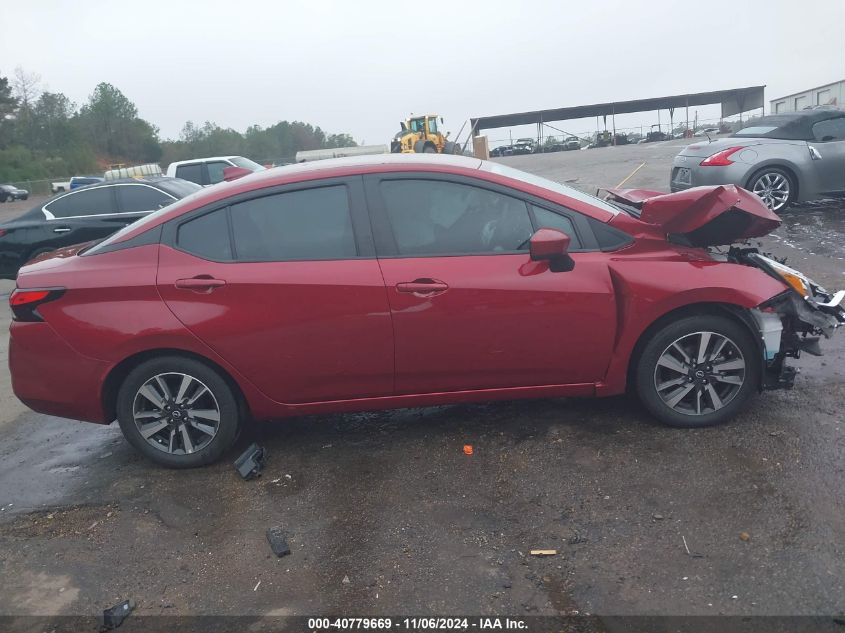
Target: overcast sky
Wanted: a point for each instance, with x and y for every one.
(361, 66)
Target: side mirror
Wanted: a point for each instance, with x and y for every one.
(447, 134)
(441, 120)
(552, 246)
(233, 173)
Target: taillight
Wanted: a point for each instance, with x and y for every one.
(720, 159)
(24, 302)
(2, 232)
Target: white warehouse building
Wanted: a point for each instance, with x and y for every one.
(830, 94)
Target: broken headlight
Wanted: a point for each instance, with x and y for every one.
(796, 280)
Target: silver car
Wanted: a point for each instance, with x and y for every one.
(783, 158)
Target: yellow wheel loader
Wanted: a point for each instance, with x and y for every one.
(420, 135)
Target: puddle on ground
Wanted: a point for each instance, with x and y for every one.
(816, 227)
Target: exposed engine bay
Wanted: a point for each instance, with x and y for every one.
(793, 321)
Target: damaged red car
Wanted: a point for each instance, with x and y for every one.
(405, 281)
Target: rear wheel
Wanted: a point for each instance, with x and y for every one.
(698, 371)
(178, 412)
(429, 149)
(775, 187)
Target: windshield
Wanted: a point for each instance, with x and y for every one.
(551, 185)
(240, 161)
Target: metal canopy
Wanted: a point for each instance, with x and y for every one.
(733, 102)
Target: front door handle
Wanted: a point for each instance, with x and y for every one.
(61, 229)
(199, 284)
(424, 286)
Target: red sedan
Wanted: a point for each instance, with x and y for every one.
(401, 281)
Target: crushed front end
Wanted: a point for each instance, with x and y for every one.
(792, 321)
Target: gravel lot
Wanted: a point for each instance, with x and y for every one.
(390, 502)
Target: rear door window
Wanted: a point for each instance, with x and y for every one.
(190, 172)
(85, 202)
(311, 224)
(141, 198)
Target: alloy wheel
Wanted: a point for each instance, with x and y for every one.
(176, 413)
(773, 188)
(699, 373)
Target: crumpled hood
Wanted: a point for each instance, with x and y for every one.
(705, 216)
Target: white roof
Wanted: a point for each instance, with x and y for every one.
(384, 159)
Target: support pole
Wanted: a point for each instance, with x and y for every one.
(613, 122)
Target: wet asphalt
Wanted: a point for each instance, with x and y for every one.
(385, 514)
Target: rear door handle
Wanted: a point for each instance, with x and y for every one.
(424, 286)
(61, 229)
(199, 284)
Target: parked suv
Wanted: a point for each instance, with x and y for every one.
(86, 213)
(209, 171)
(403, 281)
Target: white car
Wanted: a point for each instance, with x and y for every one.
(209, 171)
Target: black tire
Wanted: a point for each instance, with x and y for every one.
(429, 149)
(452, 148)
(773, 173)
(648, 372)
(230, 414)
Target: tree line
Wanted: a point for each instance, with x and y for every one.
(43, 134)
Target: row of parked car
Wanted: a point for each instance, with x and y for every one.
(529, 146)
(94, 207)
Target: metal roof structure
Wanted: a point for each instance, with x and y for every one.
(734, 101)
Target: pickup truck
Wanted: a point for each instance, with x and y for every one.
(59, 186)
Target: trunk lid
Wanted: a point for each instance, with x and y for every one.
(704, 216)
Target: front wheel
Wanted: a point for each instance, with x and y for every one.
(178, 412)
(698, 371)
(774, 186)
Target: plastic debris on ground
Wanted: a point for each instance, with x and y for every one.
(251, 462)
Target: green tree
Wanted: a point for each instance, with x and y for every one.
(111, 123)
(54, 127)
(26, 87)
(8, 106)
